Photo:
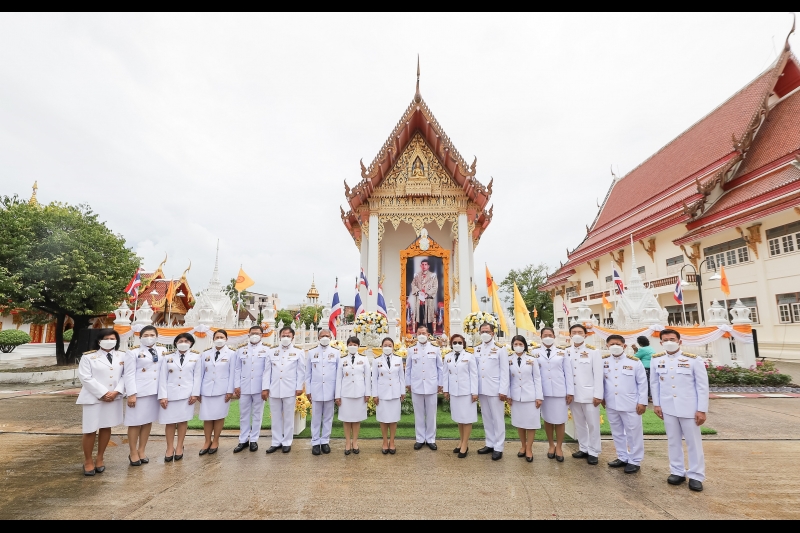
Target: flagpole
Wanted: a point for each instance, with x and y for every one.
(683, 306)
(238, 306)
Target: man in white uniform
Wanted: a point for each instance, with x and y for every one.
(679, 384)
(284, 378)
(625, 401)
(493, 380)
(424, 380)
(247, 377)
(587, 373)
(323, 362)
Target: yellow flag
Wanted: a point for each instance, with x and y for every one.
(170, 294)
(723, 282)
(606, 303)
(496, 306)
(475, 307)
(521, 316)
(243, 281)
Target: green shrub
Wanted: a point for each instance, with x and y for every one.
(68, 335)
(11, 338)
(762, 375)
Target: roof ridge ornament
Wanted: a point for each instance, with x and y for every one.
(785, 46)
(418, 96)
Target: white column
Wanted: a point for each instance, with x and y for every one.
(464, 260)
(365, 266)
(372, 271)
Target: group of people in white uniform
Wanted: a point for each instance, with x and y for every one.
(543, 383)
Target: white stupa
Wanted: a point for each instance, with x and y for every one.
(212, 307)
(638, 306)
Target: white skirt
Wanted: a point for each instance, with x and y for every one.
(525, 415)
(387, 411)
(463, 410)
(353, 410)
(177, 411)
(145, 412)
(214, 407)
(554, 409)
(102, 415)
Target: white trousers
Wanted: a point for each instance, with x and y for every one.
(251, 413)
(425, 416)
(587, 426)
(321, 422)
(686, 428)
(282, 413)
(626, 429)
(494, 421)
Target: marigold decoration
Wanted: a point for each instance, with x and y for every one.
(371, 323)
(473, 321)
(339, 345)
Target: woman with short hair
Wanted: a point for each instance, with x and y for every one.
(460, 387)
(558, 389)
(216, 389)
(178, 391)
(353, 389)
(142, 370)
(388, 386)
(100, 372)
(525, 395)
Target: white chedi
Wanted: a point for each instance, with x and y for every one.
(212, 306)
(638, 306)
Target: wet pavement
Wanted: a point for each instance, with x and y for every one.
(752, 473)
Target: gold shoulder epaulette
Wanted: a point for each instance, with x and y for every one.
(413, 343)
(377, 351)
(633, 357)
(606, 356)
(471, 350)
(242, 345)
(660, 354)
(195, 351)
(590, 347)
(534, 345)
(561, 347)
(446, 351)
(362, 349)
(90, 351)
(687, 354)
(535, 355)
(499, 344)
(170, 353)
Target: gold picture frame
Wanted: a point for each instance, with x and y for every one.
(434, 250)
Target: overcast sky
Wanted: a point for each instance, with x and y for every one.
(180, 130)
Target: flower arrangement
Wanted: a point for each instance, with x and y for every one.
(302, 405)
(339, 345)
(371, 323)
(473, 321)
(764, 374)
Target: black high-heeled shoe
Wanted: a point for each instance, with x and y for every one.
(144, 460)
(356, 451)
(529, 459)
(100, 469)
(89, 473)
(520, 454)
(169, 458)
(551, 455)
(392, 451)
(203, 452)
(457, 449)
(212, 451)
(347, 452)
(385, 451)
(560, 458)
(462, 455)
(135, 463)
(178, 457)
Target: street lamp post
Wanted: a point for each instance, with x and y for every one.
(699, 280)
(484, 300)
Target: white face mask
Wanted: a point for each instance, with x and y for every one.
(519, 349)
(183, 346)
(147, 342)
(671, 346)
(324, 341)
(616, 350)
(486, 337)
(108, 344)
(387, 350)
(548, 341)
(219, 343)
(577, 339)
(457, 347)
(422, 339)
(255, 339)
(352, 350)
(286, 341)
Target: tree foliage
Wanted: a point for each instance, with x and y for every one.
(310, 315)
(285, 315)
(11, 338)
(230, 290)
(528, 280)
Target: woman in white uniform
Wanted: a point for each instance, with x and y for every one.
(353, 389)
(558, 389)
(216, 389)
(178, 390)
(460, 386)
(142, 366)
(525, 394)
(388, 386)
(100, 372)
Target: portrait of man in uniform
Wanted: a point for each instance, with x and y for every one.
(425, 295)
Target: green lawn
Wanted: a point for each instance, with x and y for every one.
(445, 427)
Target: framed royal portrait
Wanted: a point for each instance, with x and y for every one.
(425, 288)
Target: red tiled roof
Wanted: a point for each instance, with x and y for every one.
(778, 136)
(559, 276)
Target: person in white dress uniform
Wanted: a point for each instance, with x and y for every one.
(389, 391)
(216, 389)
(100, 372)
(557, 389)
(587, 373)
(284, 379)
(460, 386)
(353, 389)
(248, 379)
(525, 394)
(625, 400)
(178, 391)
(492, 358)
(679, 384)
(321, 367)
(142, 368)
(424, 381)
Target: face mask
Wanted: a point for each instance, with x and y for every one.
(147, 342)
(548, 341)
(387, 350)
(519, 349)
(457, 347)
(352, 350)
(219, 343)
(577, 339)
(108, 344)
(486, 337)
(671, 346)
(184, 347)
(286, 341)
(616, 350)
(255, 339)
(324, 341)
(422, 339)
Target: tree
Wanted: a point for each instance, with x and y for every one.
(528, 280)
(284, 315)
(59, 259)
(230, 290)
(309, 313)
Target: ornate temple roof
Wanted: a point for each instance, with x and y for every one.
(312, 293)
(156, 282)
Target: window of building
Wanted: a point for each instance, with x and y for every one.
(728, 254)
(675, 314)
(789, 307)
(784, 239)
(677, 260)
(640, 270)
(571, 291)
(589, 284)
(608, 279)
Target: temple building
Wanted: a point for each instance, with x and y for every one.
(726, 192)
(170, 299)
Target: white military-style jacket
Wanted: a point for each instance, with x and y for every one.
(141, 372)
(321, 367)
(248, 372)
(98, 376)
(388, 377)
(179, 381)
(556, 372)
(625, 382)
(216, 372)
(492, 359)
(679, 384)
(424, 368)
(285, 372)
(587, 372)
(353, 379)
(460, 377)
(525, 379)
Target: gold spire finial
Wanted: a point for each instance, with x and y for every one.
(417, 95)
(187, 270)
(33, 200)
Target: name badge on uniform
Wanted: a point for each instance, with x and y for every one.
(529, 363)
(360, 362)
(584, 355)
(224, 360)
(397, 365)
(684, 365)
(626, 367)
(330, 357)
(465, 360)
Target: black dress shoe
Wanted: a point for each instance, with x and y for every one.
(616, 463)
(286, 449)
(241, 446)
(392, 451)
(178, 457)
(212, 451)
(432, 446)
(462, 455)
(496, 456)
(203, 452)
(457, 449)
(529, 459)
(560, 458)
(326, 448)
(347, 452)
(356, 451)
(144, 460)
(592, 460)
(520, 454)
(551, 455)
(675, 480)
(418, 445)
(580, 455)
(696, 486)
(485, 450)
(631, 469)
(135, 463)
(273, 449)
(253, 446)
(315, 450)
(101, 469)
(89, 473)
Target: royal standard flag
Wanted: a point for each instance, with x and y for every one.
(723, 282)
(606, 303)
(243, 281)
(521, 316)
(496, 307)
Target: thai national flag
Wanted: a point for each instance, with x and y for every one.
(564, 306)
(133, 287)
(359, 307)
(336, 310)
(678, 294)
(381, 302)
(363, 281)
(618, 281)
